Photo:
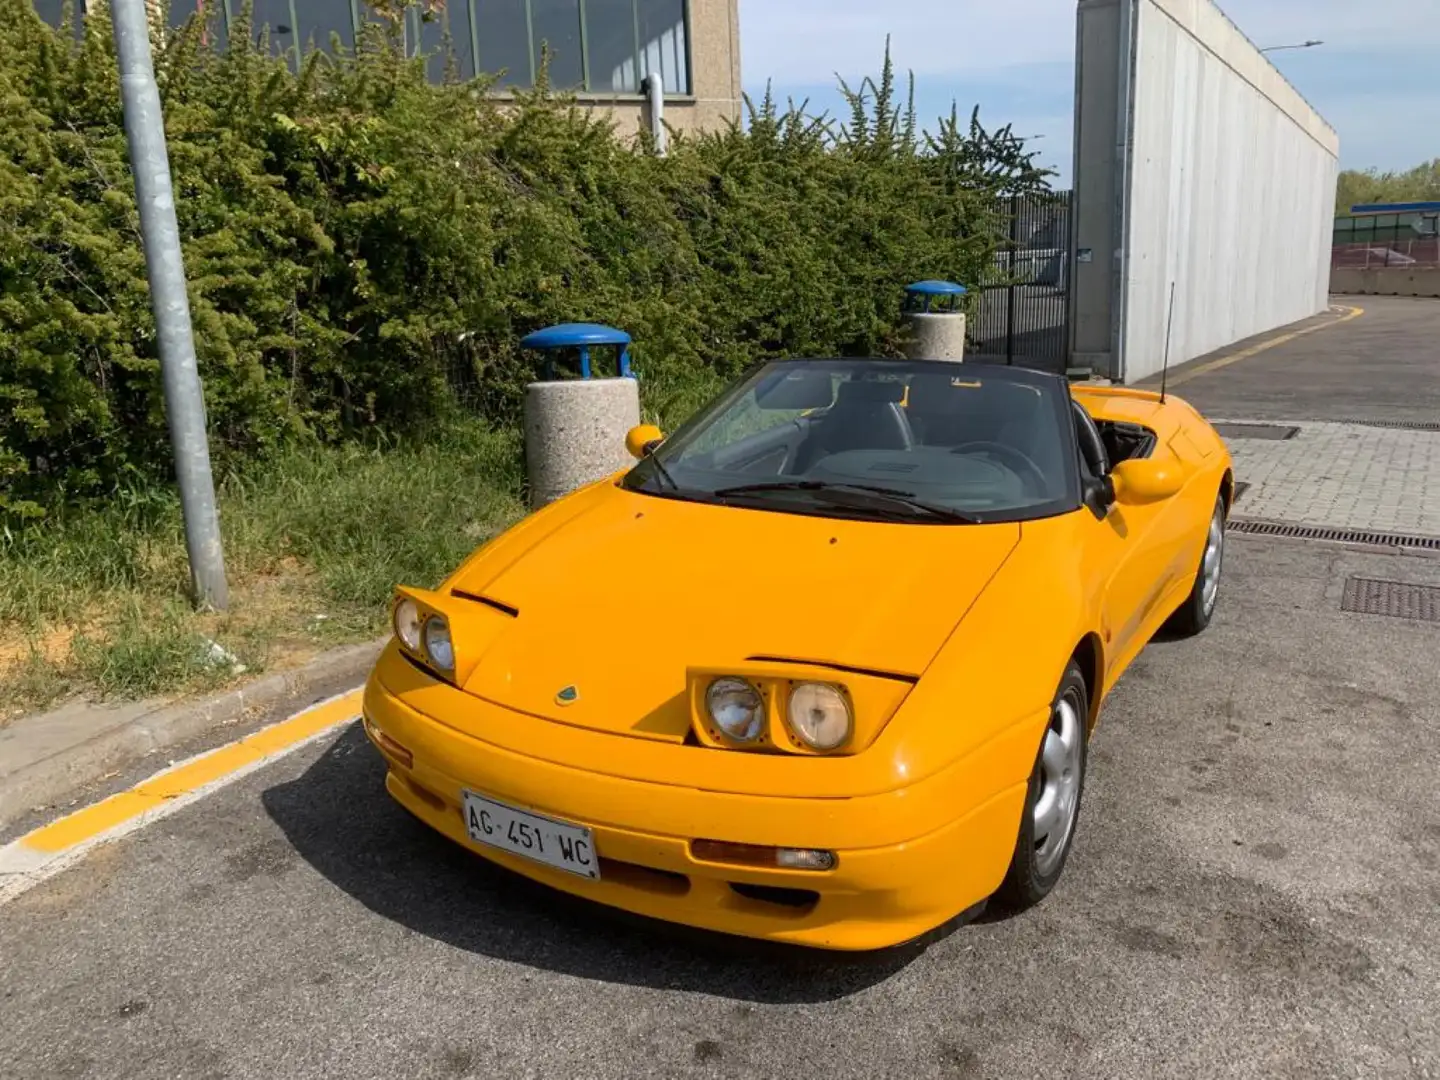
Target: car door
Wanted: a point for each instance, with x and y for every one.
(1125, 557)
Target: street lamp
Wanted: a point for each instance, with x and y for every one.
(1301, 45)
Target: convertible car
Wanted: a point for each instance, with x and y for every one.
(823, 665)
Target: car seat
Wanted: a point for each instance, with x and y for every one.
(866, 416)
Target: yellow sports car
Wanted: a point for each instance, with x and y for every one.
(823, 665)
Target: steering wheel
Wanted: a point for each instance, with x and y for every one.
(1016, 460)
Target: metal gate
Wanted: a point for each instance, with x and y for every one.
(1021, 315)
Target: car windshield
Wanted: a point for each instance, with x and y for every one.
(899, 440)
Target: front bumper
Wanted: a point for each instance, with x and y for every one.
(896, 876)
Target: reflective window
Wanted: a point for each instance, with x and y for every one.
(181, 10)
(457, 16)
(661, 25)
(607, 46)
(49, 10)
(610, 36)
(503, 29)
(556, 23)
(319, 19)
(271, 15)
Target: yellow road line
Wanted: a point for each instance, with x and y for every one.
(1245, 354)
(180, 782)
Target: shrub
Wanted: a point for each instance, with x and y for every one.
(364, 248)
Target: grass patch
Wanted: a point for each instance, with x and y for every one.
(94, 600)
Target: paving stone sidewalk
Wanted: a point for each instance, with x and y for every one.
(1341, 475)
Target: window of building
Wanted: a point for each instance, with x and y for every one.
(275, 18)
(319, 19)
(50, 10)
(660, 27)
(503, 29)
(602, 46)
(556, 23)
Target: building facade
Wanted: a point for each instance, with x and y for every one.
(602, 50)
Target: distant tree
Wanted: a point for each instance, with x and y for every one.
(1420, 184)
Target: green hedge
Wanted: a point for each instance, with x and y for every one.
(365, 248)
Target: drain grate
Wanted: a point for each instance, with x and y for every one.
(1343, 536)
(1396, 425)
(1397, 599)
(1256, 431)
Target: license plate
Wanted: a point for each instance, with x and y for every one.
(555, 843)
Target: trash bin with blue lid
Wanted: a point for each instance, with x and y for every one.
(934, 314)
(575, 426)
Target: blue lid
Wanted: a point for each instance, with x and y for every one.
(936, 288)
(568, 335)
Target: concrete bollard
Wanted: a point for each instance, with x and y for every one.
(935, 325)
(575, 433)
(575, 428)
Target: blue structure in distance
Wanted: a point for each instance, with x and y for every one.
(1365, 209)
(582, 337)
(942, 295)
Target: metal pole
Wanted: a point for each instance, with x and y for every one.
(1010, 289)
(184, 400)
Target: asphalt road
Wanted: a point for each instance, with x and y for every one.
(1252, 893)
(1384, 365)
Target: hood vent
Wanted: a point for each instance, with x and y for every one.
(893, 675)
(461, 594)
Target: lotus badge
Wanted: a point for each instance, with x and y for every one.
(567, 696)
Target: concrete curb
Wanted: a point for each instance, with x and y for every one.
(47, 757)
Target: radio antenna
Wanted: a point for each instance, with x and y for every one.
(1169, 322)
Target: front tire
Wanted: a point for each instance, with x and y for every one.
(1052, 800)
(1195, 613)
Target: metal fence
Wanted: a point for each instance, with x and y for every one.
(1402, 254)
(1021, 313)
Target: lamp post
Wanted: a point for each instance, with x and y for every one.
(165, 271)
(1298, 45)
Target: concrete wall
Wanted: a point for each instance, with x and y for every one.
(714, 75)
(1395, 281)
(1198, 164)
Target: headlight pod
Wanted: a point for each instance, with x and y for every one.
(736, 708)
(408, 622)
(438, 647)
(819, 716)
(425, 634)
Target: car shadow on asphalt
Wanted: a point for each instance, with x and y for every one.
(340, 820)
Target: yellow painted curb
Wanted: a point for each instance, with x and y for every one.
(187, 778)
(1245, 354)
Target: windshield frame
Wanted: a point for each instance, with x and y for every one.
(645, 478)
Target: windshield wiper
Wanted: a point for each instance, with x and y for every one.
(866, 492)
(663, 471)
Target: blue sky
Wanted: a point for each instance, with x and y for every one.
(1373, 79)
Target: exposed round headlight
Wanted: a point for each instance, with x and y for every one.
(438, 646)
(737, 708)
(407, 624)
(819, 716)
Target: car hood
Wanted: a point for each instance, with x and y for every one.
(622, 597)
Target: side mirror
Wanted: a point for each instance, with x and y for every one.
(1143, 481)
(642, 439)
